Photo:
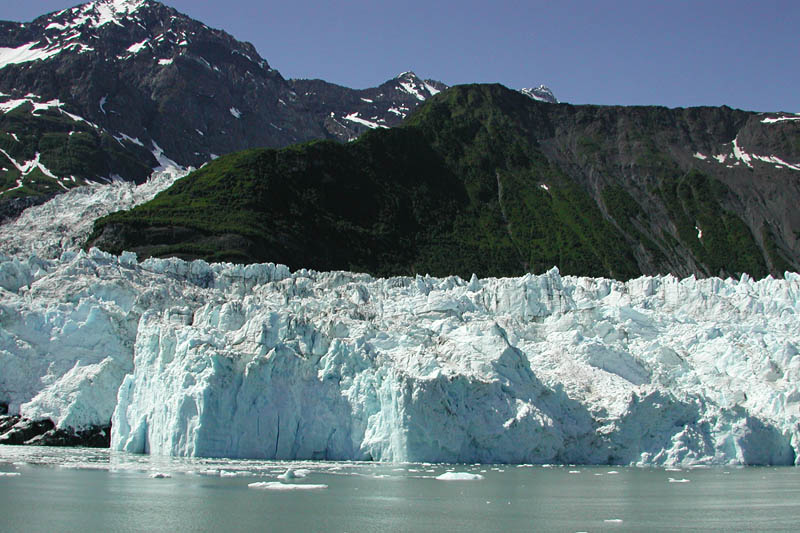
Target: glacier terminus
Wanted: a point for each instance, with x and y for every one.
(223, 360)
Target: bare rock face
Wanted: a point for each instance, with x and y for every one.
(115, 88)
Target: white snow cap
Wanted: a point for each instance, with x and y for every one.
(542, 93)
(96, 14)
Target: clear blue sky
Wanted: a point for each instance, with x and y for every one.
(744, 54)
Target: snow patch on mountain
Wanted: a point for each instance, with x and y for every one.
(165, 164)
(26, 53)
(739, 155)
(784, 118)
(135, 48)
(353, 117)
(37, 106)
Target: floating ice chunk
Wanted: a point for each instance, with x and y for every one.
(235, 473)
(459, 476)
(293, 474)
(277, 485)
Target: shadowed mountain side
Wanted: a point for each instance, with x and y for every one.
(484, 179)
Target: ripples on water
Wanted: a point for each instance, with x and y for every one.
(61, 489)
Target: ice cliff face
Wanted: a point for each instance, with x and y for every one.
(535, 369)
(188, 358)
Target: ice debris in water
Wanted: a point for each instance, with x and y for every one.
(459, 476)
(293, 474)
(277, 485)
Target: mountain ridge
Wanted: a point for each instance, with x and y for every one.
(509, 185)
(115, 88)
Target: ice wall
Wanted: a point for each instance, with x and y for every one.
(188, 358)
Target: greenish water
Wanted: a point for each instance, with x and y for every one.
(91, 490)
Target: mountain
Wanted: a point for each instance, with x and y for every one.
(482, 179)
(113, 89)
(346, 113)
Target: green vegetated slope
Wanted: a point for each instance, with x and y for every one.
(480, 179)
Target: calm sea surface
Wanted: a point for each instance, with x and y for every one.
(57, 489)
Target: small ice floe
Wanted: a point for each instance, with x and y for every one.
(682, 480)
(210, 472)
(277, 485)
(160, 475)
(235, 473)
(294, 474)
(9, 474)
(459, 476)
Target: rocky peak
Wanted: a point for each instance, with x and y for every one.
(412, 84)
(541, 93)
(96, 14)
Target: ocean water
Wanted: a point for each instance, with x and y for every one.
(58, 489)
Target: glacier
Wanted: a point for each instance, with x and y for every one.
(256, 361)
